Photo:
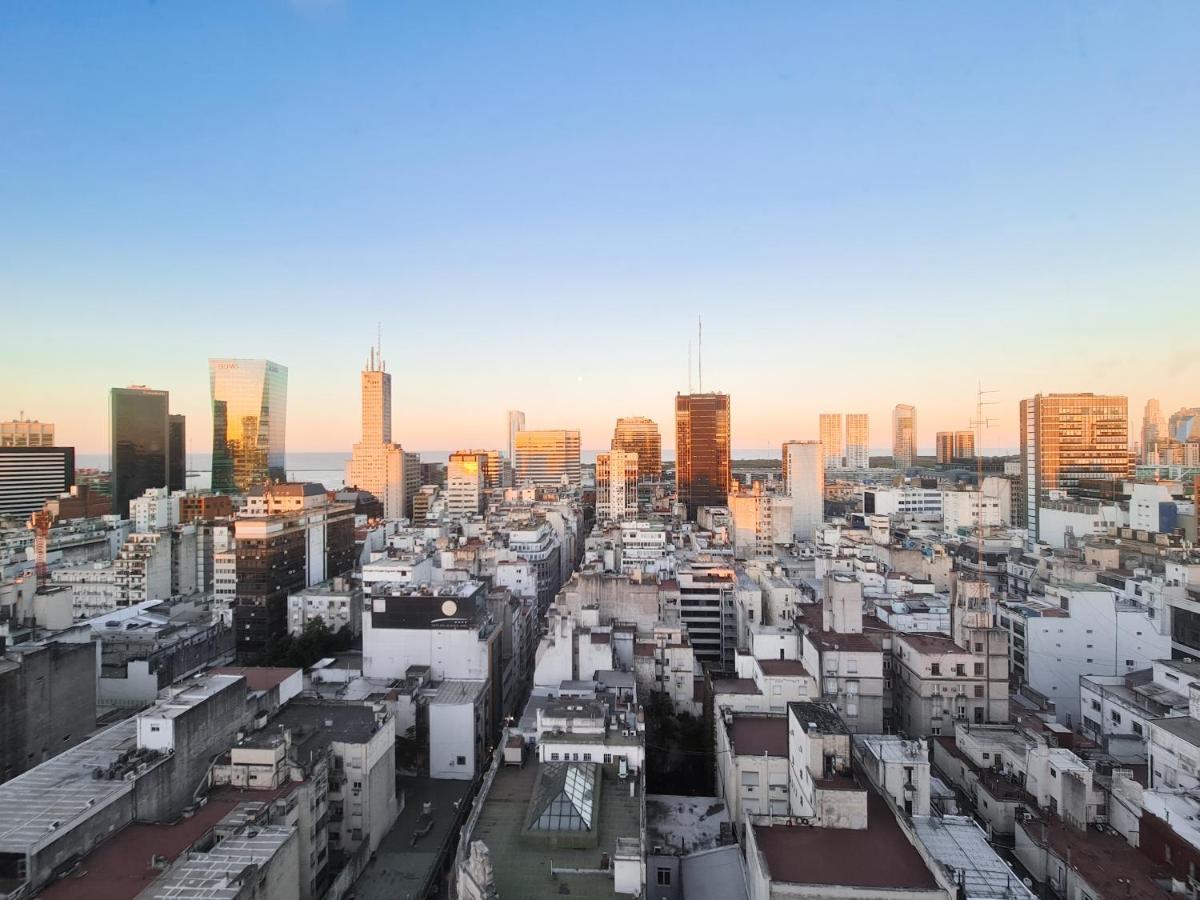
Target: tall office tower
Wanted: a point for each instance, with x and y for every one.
(804, 482)
(516, 423)
(1184, 425)
(491, 467)
(376, 464)
(26, 433)
(29, 476)
(617, 473)
(176, 453)
(465, 482)
(140, 441)
(1066, 438)
(945, 447)
(858, 441)
(831, 439)
(964, 445)
(546, 458)
(904, 436)
(249, 398)
(1154, 426)
(637, 434)
(703, 452)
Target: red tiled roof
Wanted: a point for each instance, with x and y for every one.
(758, 735)
(258, 678)
(797, 854)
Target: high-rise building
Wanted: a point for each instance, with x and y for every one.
(26, 433)
(377, 465)
(1154, 426)
(804, 482)
(1066, 438)
(637, 434)
(140, 435)
(616, 485)
(858, 441)
(299, 540)
(703, 450)
(546, 458)
(904, 436)
(1184, 425)
(491, 467)
(516, 423)
(945, 447)
(29, 476)
(831, 439)
(249, 398)
(465, 482)
(964, 445)
(176, 453)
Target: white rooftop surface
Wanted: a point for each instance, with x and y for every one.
(62, 789)
(958, 842)
(682, 825)
(1181, 810)
(457, 692)
(191, 695)
(216, 875)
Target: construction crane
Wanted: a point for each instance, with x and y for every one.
(40, 523)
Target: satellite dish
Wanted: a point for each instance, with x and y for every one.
(449, 608)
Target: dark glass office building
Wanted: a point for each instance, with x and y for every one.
(703, 462)
(249, 398)
(177, 453)
(140, 443)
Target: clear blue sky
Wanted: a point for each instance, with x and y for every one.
(869, 203)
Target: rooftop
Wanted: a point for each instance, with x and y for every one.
(457, 691)
(735, 686)
(957, 843)
(821, 715)
(681, 825)
(1102, 859)
(217, 874)
(1184, 727)
(798, 854)
(258, 678)
(758, 735)
(932, 643)
(783, 668)
(523, 868)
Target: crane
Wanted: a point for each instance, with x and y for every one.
(40, 523)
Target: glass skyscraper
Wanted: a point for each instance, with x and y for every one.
(140, 443)
(249, 398)
(703, 464)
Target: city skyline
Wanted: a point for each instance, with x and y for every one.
(891, 172)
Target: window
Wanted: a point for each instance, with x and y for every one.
(935, 669)
(1137, 728)
(462, 760)
(1129, 664)
(1116, 717)
(979, 690)
(987, 756)
(1053, 774)
(960, 669)
(852, 665)
(978, 647)
(664, 876)
(978, 668)
(357, 785)
(587, 757)
(553, 757)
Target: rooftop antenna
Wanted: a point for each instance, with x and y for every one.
(700, 351)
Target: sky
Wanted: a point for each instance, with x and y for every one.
(867, 203)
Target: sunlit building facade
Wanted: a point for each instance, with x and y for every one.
(1066, 438)
(616, 485)
(466, 474)
(249, 398)
(703, 452)
(140, 439)
(547, 458)
(377, 465)
(831, 439)
(26, 433)
(904, 436)
(637, 434)
(516, 423)
(804, 482)
(858, 441)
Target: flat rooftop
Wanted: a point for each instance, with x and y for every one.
(1100, 858)
(523, 869)
(931, 643)
(957, 842)
(316, 725)
(783, 668)
(756, 735)
(216, 875)
(735, 686)
(258, 678)
(682, 825)
(822, 715)
(798, 854)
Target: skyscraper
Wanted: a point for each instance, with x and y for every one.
(637, 434)
(617, 473)
(176, 453)
(831, 439)
(964, 445)
(140, 441)
(858, 441)
(904, 436)
(1066, 438)
(516, 423)
(804, 482)
(26, 433)
(1154, 426)
(249, 398)
(378, 465)
(466, 477)
(944, 442)
(1184, 424)
(548, 458)
(703, 456)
